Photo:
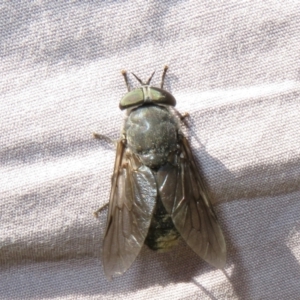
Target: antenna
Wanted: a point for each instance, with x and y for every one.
(141, 82)
(148, 81)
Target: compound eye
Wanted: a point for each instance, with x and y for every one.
(161, 96)
(133, 98)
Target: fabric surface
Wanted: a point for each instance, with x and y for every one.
(234, 66)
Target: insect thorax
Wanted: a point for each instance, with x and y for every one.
(152, 134)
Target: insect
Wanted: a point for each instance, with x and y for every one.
(157, 193)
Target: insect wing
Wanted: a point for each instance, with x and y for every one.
(132, 200)
(186, 198)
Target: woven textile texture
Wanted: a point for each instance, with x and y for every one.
(233, 65)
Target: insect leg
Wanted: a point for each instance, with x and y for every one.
(182, 117)
(105, 138)
(96, 213)
(163, 76)
(124, 73)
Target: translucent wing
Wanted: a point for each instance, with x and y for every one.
(187, 199)
(132, 199)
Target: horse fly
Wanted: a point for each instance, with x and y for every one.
(157, 193)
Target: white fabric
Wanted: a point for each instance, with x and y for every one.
(234, 66)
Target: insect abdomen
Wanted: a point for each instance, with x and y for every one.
(162, 234)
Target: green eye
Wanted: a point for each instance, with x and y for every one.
(161, 96)
(133, 98)
(155, 95)
(147, 94)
